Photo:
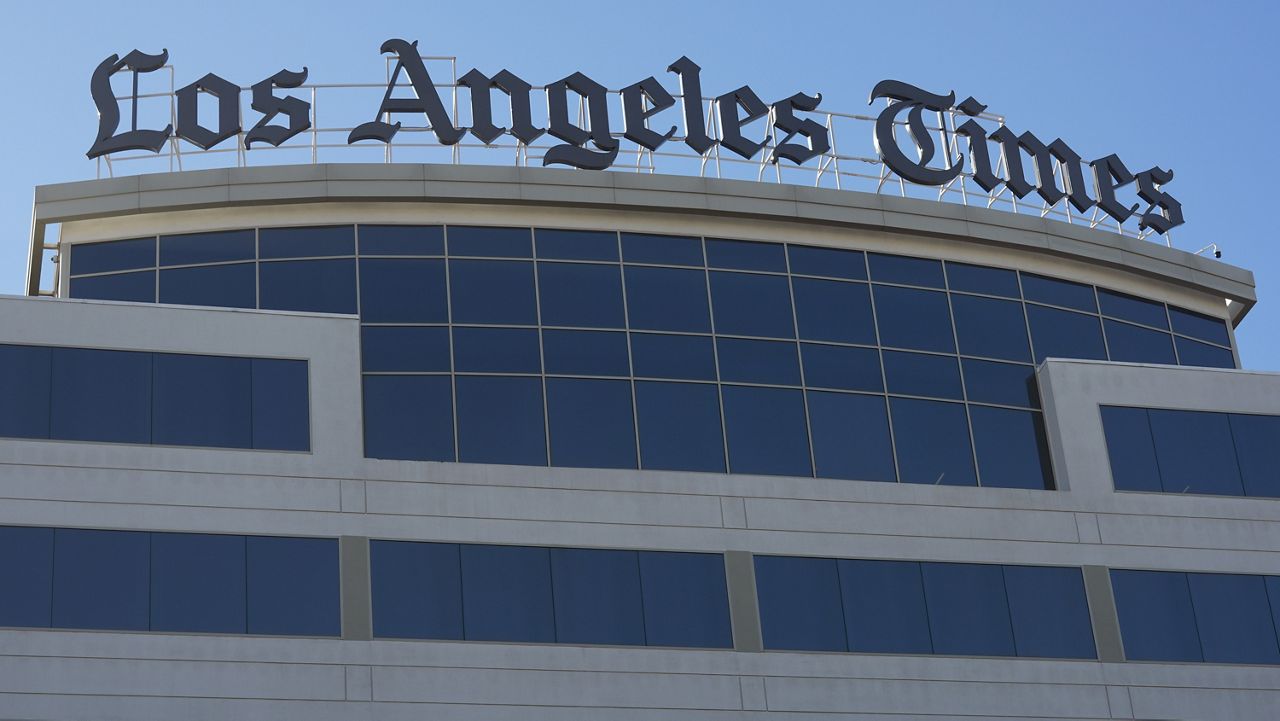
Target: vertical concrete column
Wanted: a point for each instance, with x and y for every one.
(357, 605)
(744, 611)
(1102, 609)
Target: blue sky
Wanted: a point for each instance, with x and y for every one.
(1177, 84)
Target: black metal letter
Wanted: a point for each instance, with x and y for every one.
(1109, 175)
(571, 151)
(784, 119)
(979, 153)
(297, 111)
(695, 123)
(109, 111)
(731, 123)
(635, 118)
(517, 91)
(916, 101)
(1164, 213)
(228, 96)
(426, 100)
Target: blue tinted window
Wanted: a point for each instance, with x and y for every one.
(920, 374)
(766, 431)
(758, 361)
(293, 586)
(1233, 616)
(850, 436)
(1049, 611)
(24, 384)
(1131, 449)
(747, 304)
(827, 262)
(320, 286)
(1273, 595)
(833, 311)
(576, 244)
(591, 423)
(829, 366)
(101, 395)
(496, 350)
(1011, 448)
(1059, 292)
(403, 290)
(1194, 353)
(134, 287)
(905, 270)
(581, 294)
(968, 609)
(585, 352)
(668, 299)
(981, 279)
(506, 594)
(1199, 326)
(202, 401)
(915, 319)
(401, 240)
(197, 248)
(310, 242)
(991, 328)
(679, 426)
(800, 607)
(1135, 344)
(745, 255)
(931, 439)
(281, 406)
(1064, 334)
(597, 596)
(661, 249)
(101, 579)
(404, 348)
(1257, 444)
(114, 255)
(1128, 307)
(1157, 622)
(688, 357)
(490, 242)
(417, 590)
(26, 564)
(493, 291)
(197, 583)
(408, 417)
(884, 607)
(228, 286)
(1195, 452)
(500, 420)
(686, 602)
(1004, 383)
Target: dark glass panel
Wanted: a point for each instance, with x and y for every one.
(1049, 611)
(581, 294)
(200, 400)
(1064, 334)
(113, 255)
(905, 270)
(227, 286)
(200, 248)
(766, 431)
(101, 579)
(991, 328)
(26, 565)
(408, 418)
(1011, 448)
(1257, 444)
(746, 255)
(404, 348)
(920, 374)
(686, 602)
(417, 590)
(1157, 621)
(748, 304)
(834, 311)
(827, 262)
(1198, 325)
(597, 596)
(968, 609)
(500, 420)
(1134, 344)
(1059, 292)
(688, 357)
(496, 350)
(576, 244)
(133, 287)
(1195, 452)
(493, 291)
(829, 366)
(981, 279)
(668, 299)
(25, 387)
(1004, 383)
(403, 290)
(1194, 353)
(1273, 595)
(915, 319)
(1131, 308)
(319, 286)
(1131, 449)
(506, 594)
(679, 426)
(101, 395)
(1233, 616)
(310, 242)
(281, 405)
(585, 352)
(490, 242)
(293, 586)
(884, 607)
(591, 423)
(401, 240)
(661, 249)
(758, 361)
(800, 607)
(931, 439)
(850, 436)
(197, 583)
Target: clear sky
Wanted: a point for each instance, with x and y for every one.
(1187, 85)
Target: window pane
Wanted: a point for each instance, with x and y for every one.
(113, 255)
(884, 607)
(496, 350)
(1131, 308)
(747, 304)
(661, 249)
(668, 299)
(968, 609)
(1011, 448)
(1059, 292)
(101, 395)
(829, 366)
(800, 604)
(1195, 452)
(591, 422)
(293, 586)
(919, 374)
(597, 596)
(1004, 383)
(1131, 449)
(490, 242)
(981, 279)
(197, 583)
(1193, 353)
(991, 328)
(506, 594)
(408, 418)
(689, 357)
(404, 348)
(576, 244)
(101, 579)
(745, 255)
(905, 270)
(1156, 617)
(312, 242)
(401, 240)
(850, 436)
(679, 426)
(26, 564)
(133, 287)
(227, 286)
(581, 294)
(403, 290)
(24, 386)
(417, 590)
(932, 442)
(1257, 444)
(915, 319)
(281, 405)
(827, 262)
(198, 248)
(318, 286)
(500, 420)
(1133, 344)
(1063, 334)
(686, 602)
(202, 401)
(493, 291)
(585, 352)
(1233, 616)
(758, 361)
(834, 311)
(766, 431)
(1199, 326)
(1049, 611)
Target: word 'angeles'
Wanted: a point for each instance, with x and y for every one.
(594, 147)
